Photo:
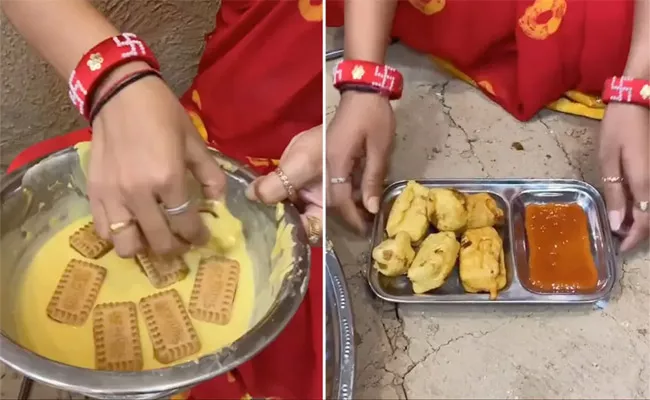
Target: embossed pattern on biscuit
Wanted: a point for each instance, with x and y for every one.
(117, 337)
(76, 292)
(162, 271)
(88, 243)
(214, 290)
(170, 329)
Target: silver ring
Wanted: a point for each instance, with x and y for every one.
(643, 206)
(613, 179)
(178, 210)
(338, 180)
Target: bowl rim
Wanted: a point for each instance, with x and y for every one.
(339, 308)
(170, 379)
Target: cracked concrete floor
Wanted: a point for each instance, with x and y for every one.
(446, 129)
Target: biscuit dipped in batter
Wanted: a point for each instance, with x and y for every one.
(124, 282)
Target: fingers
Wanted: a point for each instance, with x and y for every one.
(269, 189)
(127, 241)
(340, 163)
(314, 227)
(94, 186)
(99, 218)
(302, 167)
(189, 226)
(373, 178)
(182, 215)
(205, 168)
(615, 198)
(639, 231)
(155, 227)
(347, 208)
(635, 164)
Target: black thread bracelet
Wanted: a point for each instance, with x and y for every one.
(118, 87)
(350, 87)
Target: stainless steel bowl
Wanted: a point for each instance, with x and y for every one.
(54, 187)
(339, 331)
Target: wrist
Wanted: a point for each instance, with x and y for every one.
(638, 64)
(115, 76)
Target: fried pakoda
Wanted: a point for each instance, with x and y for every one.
(483, 211)
(409, 213)
(394, 256)
(447, 210)
(482, 264)
(434, 261)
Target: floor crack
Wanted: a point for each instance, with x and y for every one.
(446, 110)
(575, 166)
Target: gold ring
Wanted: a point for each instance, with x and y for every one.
(291, 191)
(315, 230)
(118, 227)
(613, 179)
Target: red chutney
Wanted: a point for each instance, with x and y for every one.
(560, 258)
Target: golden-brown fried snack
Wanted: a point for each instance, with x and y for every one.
(483, 211)
(394, 256)
(434, 261)
(409, 213)
(447, 210)
(482, 264)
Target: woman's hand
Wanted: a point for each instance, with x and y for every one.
(624, 152)
(363, 127)
(302, 164)
(143, 143)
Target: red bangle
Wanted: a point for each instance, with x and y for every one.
(627, 90)
(386, 80)
(97, 63)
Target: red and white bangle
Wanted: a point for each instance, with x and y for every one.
(378, 77)
(627, 90)
(99, 61)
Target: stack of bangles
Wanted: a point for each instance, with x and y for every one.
(96, 65)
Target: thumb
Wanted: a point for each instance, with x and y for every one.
(204, 167)
(270, 189)
(372, 182)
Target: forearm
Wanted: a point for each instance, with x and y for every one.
(60, 30)
(368, 25)
(638, 62)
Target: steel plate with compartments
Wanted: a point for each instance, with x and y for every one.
(512, 195)
(339, 336)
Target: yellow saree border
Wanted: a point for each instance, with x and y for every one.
(573, 102)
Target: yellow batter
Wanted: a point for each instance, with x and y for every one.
(124, 282)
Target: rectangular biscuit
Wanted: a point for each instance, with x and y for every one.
(88, 243)
(162, 271)
(75, 295)
(117, 337)
(214, 290)
(170, 329)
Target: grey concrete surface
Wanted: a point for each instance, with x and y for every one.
(447, 129)
(34, 102)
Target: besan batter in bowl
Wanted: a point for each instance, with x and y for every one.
(80, 304)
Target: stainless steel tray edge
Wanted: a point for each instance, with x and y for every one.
(485, 184)
(344, 345)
